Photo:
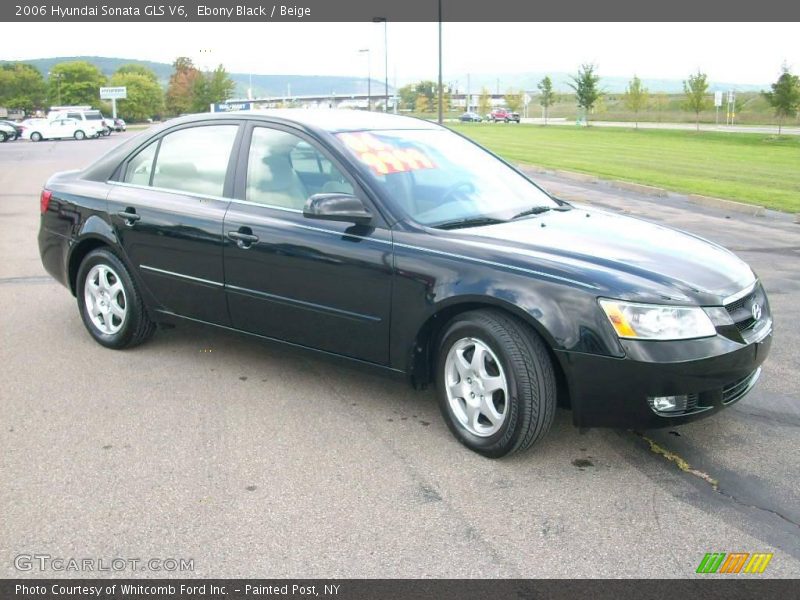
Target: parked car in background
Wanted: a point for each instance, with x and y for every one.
(60, 129)
(470, 117)
(501, 114)
(399, 243)
(17, 130)
(95, 117)
(119, 125)
(7, 132)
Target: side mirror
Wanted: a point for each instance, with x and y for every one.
(337, 207)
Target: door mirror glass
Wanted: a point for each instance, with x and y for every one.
(337, 207)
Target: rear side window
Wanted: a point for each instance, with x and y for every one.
(195, 160)
(140, 167)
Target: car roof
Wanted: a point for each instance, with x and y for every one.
(330, 120)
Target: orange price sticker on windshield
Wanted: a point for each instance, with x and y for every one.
(383, 158)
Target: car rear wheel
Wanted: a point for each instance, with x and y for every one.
(3, 137)
(495, 383)
(109, 302)
(79, 135)
(36, 136)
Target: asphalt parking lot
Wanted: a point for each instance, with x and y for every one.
(254, 460)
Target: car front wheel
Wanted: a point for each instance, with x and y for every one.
(495, 383)
(79, 135)
(110, 304)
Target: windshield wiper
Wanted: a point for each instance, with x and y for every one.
(537, 210)
(467, 222)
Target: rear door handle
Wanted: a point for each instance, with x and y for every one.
(129, 216)
(243, 239)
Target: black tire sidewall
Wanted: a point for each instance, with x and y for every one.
(133, 301)
(501, 442)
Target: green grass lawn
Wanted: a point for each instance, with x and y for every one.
(749, 167)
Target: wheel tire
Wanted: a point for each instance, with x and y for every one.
(135, 326)
(3, 137)
(79, 135)
(530, 403)
(36, 136)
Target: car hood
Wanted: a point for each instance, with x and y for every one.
(621, 256)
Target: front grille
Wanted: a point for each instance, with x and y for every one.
(741, 309)
(741, 302)
(738, 389)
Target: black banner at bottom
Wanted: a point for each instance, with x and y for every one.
(707, 587)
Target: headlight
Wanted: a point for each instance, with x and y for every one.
(654, 322)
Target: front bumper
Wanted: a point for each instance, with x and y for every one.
(713, 372)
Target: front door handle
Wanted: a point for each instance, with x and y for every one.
(129, 216)
(242, 238)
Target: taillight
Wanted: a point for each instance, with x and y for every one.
(44, 200)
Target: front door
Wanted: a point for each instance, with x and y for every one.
(321, 284)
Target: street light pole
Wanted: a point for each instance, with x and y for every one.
(440, 64)
(369, 78)
(385, 22)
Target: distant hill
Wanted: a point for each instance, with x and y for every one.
(263, 85)
(300, 85)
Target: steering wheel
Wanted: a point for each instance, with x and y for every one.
(467, 186)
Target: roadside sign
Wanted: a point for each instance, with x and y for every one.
(229, 106)
(717, 99)
(527, 99)
(113, 93)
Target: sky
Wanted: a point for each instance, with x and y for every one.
(727, 52)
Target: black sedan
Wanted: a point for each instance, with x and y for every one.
(401, 245)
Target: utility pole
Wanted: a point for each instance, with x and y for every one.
(385, 22)
(441, 99)
(369, 78)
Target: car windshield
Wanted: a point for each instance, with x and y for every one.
(437, 177)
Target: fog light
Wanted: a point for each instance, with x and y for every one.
(667, 404)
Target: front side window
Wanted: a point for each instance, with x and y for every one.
(284, 170)
(195, 160)
(438, 177)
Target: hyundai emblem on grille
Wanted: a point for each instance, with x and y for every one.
(756, 310)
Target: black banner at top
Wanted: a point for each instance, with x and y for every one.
(397, 10)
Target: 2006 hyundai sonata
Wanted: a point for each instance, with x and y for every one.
(398, 243)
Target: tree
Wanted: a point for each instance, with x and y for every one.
(422, 104)
(484, 102)
(22, 87)
(208, 88)
(75, 83)
(134, 69)
(636, 97)
(785, 96)
(181, 88)
(514, 99)
(696, 90)
(587, 92)
(408, 96)
(547, 96)
(145, 98)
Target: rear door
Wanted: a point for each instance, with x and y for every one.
(321, 284)
(168, 209)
